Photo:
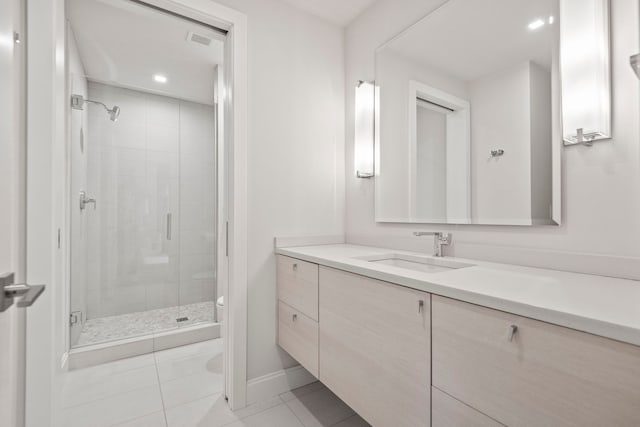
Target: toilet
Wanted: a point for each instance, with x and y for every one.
(220, 307)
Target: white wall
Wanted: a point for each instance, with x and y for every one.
(601, 184)
(500, 119)
(46, 201)
(295, 149)
(542, 110)
(394, 171)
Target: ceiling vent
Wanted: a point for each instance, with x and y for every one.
(198, 39)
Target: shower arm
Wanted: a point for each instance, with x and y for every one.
(77, 102)
(99, 103)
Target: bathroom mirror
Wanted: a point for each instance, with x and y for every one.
(467, 116)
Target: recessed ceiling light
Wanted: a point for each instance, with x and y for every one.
(536, 24)
(551, 19)
(159, 78)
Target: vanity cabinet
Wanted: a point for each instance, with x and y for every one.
(402, 357)
(449, 412)
(297, 289)
(375, 348)
(298, 335)
(297, 283)
(523, 372)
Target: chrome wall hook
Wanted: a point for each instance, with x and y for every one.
(496, 153)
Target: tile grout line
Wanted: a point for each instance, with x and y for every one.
(88, 402)
(133, 419)
(286, 404)
(164, 408)
(282, 402)
(108, 396)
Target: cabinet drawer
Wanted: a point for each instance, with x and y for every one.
(298, 285)
(449, 412)
(298, 336)
(374, 348)
(545, 375)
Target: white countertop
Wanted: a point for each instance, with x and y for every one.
(600, 305)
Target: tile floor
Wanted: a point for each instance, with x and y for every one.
(130, 325)
(182, 387)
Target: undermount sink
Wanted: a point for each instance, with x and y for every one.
(416, 263)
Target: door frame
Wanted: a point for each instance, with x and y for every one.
(48, 203)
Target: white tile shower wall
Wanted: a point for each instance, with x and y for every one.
(78, 152)
(295, 151)
(197, 203)
(157, 159)
(601, 184)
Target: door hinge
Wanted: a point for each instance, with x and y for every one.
(75, 317)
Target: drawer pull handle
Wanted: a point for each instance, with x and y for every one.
(420, 306)
(295, 267)
(512, 331)
(294, 317)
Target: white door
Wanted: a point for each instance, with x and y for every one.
(12, 213)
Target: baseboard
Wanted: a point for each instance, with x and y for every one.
(290, 242)
(278, 382)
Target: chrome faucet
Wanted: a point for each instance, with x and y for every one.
(84, 201)
(439, 240)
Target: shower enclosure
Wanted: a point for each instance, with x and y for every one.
(142, 173)
(143, 241)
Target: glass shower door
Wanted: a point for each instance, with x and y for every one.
(130, 286)
(198, 288)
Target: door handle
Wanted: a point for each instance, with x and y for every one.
(9, 291)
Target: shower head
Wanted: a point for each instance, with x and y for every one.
(114, 113)
(78, 101)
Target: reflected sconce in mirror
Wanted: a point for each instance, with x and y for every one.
(364, 129)
(585, 71)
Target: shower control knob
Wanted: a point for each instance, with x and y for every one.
(84, 201)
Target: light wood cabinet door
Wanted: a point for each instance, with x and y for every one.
(297, 283)
(375, 347)
(298, 336)
(449, 412)
(546, 375)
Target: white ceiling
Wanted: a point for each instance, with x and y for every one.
(469, 39)
(340, 12)
(125, 44)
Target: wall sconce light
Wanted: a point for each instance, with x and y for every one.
(585, 71)
(364, 129)
(634, 60)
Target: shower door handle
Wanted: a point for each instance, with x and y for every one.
(169, 220)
